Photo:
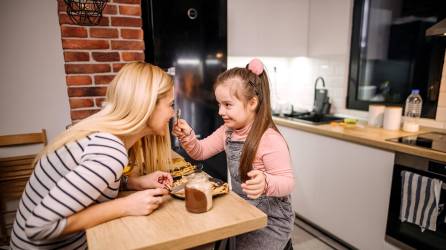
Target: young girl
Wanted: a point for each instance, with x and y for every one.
(257, 154)
(77, 177)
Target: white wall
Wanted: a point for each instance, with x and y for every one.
(33, 91)
(328, 46)
(256, 27)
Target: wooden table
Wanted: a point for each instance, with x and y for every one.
(172, 227)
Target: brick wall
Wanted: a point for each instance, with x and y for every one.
(93, 54)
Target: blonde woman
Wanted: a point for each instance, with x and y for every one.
(77, 177)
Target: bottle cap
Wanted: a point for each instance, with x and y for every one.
(415, 91)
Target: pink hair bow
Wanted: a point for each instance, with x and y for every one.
(256, 66)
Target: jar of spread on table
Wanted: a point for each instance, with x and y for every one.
(198, 193)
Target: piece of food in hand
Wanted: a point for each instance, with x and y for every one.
(167, 187)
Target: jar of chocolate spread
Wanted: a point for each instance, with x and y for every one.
(198, 193)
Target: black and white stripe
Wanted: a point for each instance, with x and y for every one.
(75, 176)
(420, 197)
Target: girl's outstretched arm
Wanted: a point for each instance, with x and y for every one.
(199, 149)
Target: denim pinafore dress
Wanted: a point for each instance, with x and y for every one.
(278, 209)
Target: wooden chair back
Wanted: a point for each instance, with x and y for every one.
(14, 174)
(23, 139)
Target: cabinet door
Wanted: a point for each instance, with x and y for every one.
(329, 27)
(267, 28)
(342, 187)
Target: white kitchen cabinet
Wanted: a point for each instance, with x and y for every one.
(341, 186)
(268, 28)
(329, 27)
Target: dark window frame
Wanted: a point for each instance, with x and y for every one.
(355, 58)
(355, 63)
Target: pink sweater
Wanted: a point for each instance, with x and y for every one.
(272, 155)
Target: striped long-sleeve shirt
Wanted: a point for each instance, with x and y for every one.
(66, 181)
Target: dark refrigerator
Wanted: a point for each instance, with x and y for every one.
(188, 39)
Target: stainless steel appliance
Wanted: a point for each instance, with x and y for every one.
(407, 235)
(188, 38)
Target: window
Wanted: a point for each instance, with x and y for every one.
(390, 54)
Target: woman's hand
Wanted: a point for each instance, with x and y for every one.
(144, 202)
(181, 129)
(255, 186)
(157, 179)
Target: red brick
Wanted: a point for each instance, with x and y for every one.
(126, 21)
(86, 91)
(103, 79)
(76, 56)
(61, 6)
(131, 33)
(127, 45)
(78, 80)
(65, 19)
(105, 21)
(73, 31)
(132, 56)
(106, 56)
(84, 44)
(128, 1)
(118, 66)
(86, 68)
(104, 32)
(81, 114)
(99, 101)
(130, 10)
(110, 9)
(81, 103)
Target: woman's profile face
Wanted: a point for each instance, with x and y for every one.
(163, 112)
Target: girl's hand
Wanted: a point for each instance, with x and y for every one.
(181, 129)
(255, 186)
(157, 179)
(144, 202)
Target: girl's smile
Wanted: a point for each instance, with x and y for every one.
(235, 113)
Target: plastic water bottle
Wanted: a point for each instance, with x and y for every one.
(412, 111)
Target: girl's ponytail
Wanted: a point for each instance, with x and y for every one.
(262, 121)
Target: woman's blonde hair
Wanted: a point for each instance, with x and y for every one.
(130, 101)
